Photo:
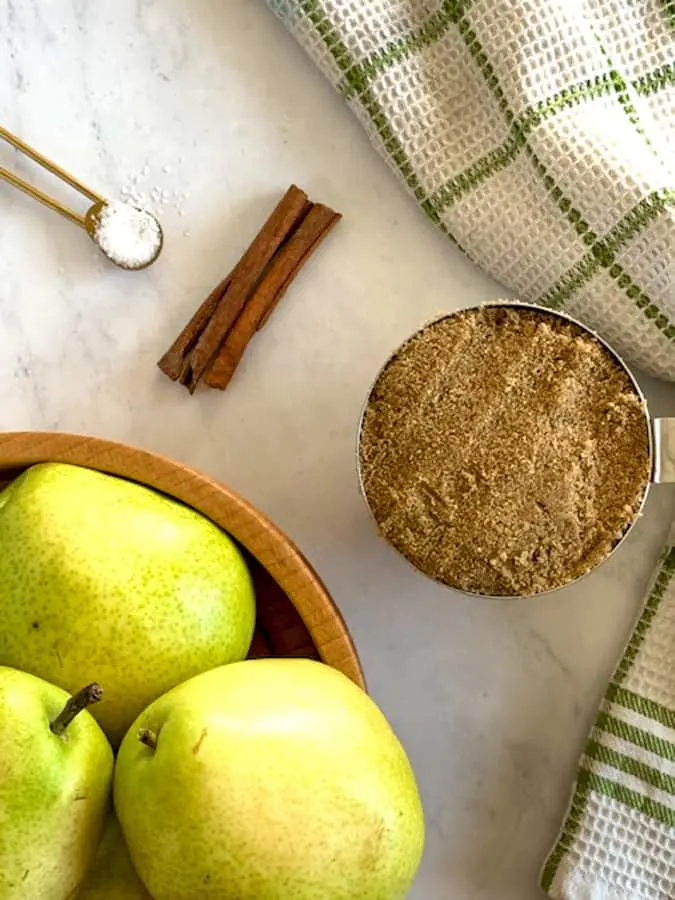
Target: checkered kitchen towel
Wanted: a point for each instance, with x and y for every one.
(539, 134)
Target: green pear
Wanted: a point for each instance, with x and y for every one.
(265, 780)
(55, 777)
(112, 876)
(104, 578)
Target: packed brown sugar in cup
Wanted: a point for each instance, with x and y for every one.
(504, 451)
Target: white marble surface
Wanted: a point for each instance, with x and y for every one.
(212, 99)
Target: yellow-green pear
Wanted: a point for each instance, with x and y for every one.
(269, 779)
(55, 777)
(112, 876)
(104, 578)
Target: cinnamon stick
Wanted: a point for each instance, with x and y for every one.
(324, 220)
(173, 360)
(288, 212)
(213, 342)
(282, 270)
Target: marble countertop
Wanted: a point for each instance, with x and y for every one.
(209, 108)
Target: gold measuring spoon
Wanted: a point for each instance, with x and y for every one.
(91, 220)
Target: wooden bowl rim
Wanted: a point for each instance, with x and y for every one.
(282, 558)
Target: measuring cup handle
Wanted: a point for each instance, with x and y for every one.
(664, 451)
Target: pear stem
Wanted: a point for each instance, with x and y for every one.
(84, 698)
(147, 737)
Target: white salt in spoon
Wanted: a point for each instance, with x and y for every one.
(131, 238)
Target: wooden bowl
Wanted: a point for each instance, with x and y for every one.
(296, 615)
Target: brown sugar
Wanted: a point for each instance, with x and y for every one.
(504, 451)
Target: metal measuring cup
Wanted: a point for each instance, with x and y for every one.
(660, 432)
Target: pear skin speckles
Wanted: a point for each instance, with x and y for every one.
(54, 791)
(102, 579)
(269, 779)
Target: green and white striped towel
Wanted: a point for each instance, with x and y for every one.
(537, 133)
(618, 840)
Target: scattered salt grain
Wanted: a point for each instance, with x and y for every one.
(147, 188)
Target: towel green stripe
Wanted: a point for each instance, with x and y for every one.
(600, 256)
(634, 735)
(395, 149)
(526, 122)
(633, 799)
(563, 203)
(358, 75)
(340, 53)
(657, 80)
(603, 252)
(624, 98)
(327, 32)
(650, 709)
(648, 308)
(572, 824)
(630, 766)
(656, 594)
(588, 781)
(521, 128)
(622, 91)
(436, 26)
